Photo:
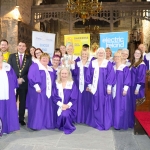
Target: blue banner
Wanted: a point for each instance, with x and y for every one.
(114, 40)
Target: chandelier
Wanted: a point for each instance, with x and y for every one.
(85, 8)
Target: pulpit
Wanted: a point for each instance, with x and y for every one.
(143, 105)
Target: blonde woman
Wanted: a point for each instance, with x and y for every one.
(100, 78)
(65, 96)
(121, 93)
(41, 110)
(79, 71)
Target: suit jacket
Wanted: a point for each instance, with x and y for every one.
(21, 71)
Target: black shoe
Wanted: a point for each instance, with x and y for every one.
(22, 123)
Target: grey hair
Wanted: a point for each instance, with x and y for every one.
(101, 49)
(125, 50)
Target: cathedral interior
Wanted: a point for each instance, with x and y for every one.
(20, 17)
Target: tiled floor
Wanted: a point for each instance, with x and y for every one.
(84, 138)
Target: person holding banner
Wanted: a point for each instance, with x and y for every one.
(41, 109)
(100, 79)
(8, 107)
(79, 71)
(121, 93)
(138, 74)
(65, 96)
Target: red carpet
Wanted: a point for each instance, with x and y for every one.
(144, 120)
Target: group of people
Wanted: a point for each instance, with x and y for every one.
(99, 91)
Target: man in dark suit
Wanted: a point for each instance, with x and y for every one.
(21, 62)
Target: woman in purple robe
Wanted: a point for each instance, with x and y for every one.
(79, 71)
(41, 110)
(8, 107)
(100, 79)
(121, 93)
(138, 75)
(65, 96)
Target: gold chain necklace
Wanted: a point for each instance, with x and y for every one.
(22, 67)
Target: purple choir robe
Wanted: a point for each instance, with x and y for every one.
(84, 97)
(8, 108)
(66, 118)
(138, 75)
(147, 60)
(41, 109)
(100, 112)
(120, 102)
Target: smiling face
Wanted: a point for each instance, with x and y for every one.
(70, 50)
(64, 74)
(84, 55)
(32, 51)
(44, 60)
(4, 46)
(137, 54)
(108, 53)
(38, 53)
(21, 47)
(117, 57)
(100, 54)
(56, 61)
(63, 49)
(125, 55)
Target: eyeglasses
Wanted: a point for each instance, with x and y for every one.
(38, 53)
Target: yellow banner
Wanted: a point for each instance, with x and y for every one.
(77, 40)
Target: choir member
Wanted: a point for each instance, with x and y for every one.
(41, 110)
(56, 62)
(137, 89)
(125, 55)
(121, 93)
(37, 53)
(79, 71)
(63, 49)
(8, 108)
(65, 96)
(100, 78)
(69, 57)
(109, 54)
(32, 49)
(57, 52)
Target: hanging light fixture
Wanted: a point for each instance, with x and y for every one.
(85, 8)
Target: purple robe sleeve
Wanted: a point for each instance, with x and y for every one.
(89, 74)
(110, 78)
(34, 75)
(55, 96)
(127, 76)
(14, 78)
(146, 62)
(141, 74)
(74, 94)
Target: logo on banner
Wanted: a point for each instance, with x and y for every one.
(1, 127)
(114, 42)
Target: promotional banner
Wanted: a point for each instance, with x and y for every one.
(44, 41)
(77, 40)
(114, 40)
